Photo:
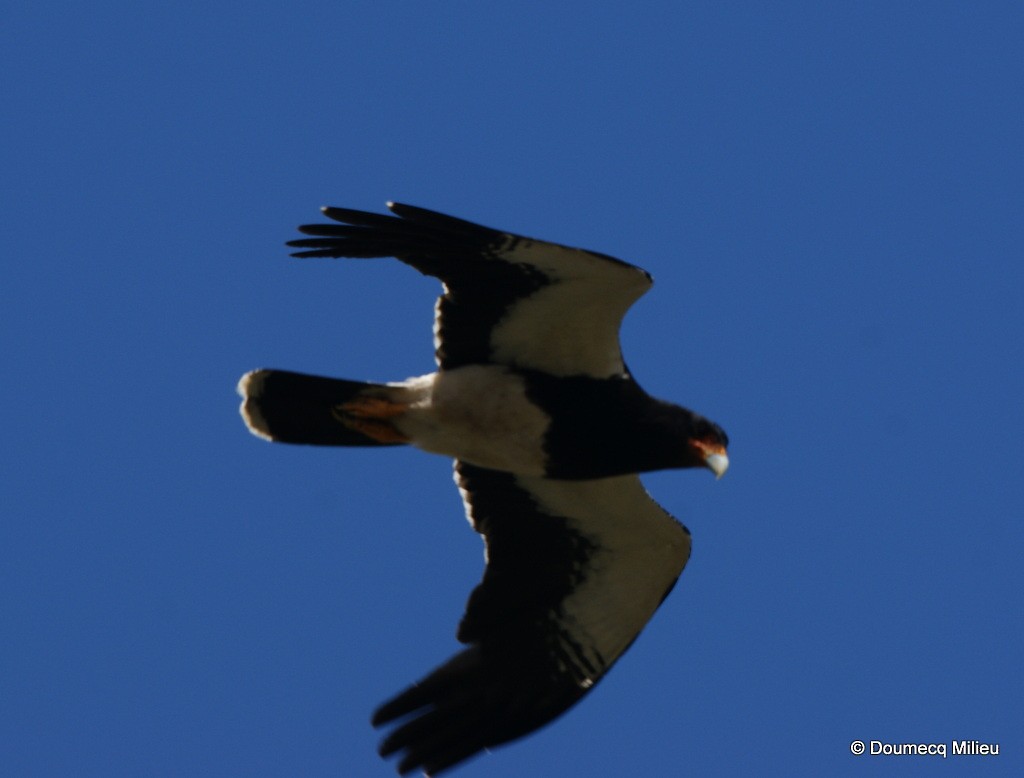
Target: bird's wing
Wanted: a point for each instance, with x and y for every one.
(507, 299)
(575, 569)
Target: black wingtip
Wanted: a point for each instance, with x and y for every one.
(356, 217)
(437, 220)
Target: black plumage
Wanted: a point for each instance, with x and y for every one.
(548, 429)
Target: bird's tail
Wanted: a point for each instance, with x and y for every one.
(289, 407)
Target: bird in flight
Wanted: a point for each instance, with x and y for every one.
(548, 430)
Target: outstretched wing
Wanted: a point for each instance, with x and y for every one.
(575, 569)
(507, 299)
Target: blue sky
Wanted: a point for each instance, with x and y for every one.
(829, 197)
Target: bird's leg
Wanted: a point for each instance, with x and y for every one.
(371, 416)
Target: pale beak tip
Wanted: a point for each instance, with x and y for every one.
(717, 463)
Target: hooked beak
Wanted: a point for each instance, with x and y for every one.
(717, 463)
(714, 456)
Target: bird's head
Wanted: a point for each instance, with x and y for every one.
(707, 445)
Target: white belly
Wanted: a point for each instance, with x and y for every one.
(477, 413)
